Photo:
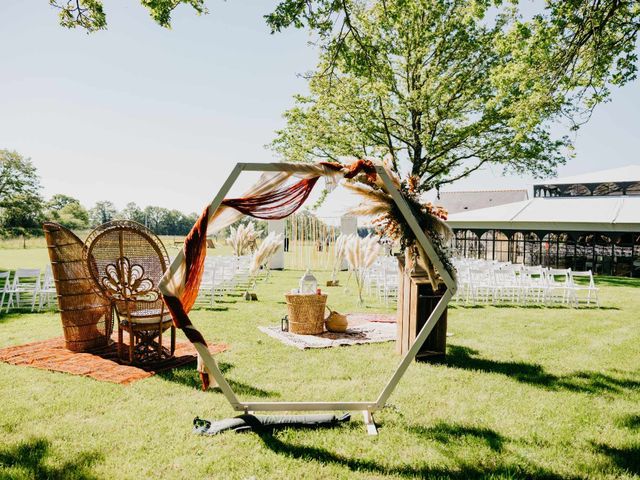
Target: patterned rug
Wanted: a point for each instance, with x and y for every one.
(102, 364)
(370, 332)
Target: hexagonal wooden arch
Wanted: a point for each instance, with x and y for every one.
(367, 407)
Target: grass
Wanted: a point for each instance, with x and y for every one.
(524, 393)
(35, 255)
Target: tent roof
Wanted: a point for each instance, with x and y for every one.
(630, 173)
(598, 214)
(455, 202)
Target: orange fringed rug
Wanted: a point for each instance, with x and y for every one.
(102, 364)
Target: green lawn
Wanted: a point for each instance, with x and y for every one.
(524, 393)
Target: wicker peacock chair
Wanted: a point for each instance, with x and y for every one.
(86, 316)
(126, 261)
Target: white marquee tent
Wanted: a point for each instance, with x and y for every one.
(595, 214)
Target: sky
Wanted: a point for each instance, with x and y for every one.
(160, 117)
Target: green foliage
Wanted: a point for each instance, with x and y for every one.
(298, 13)
(90, 16)
(444, 87)
(102, 212)
(161, 221)
(59, 201)
(22, 215)
(74, 216)
(67, 211)
(17, 176)
(20, 201)
(132, 212)
(168, 222)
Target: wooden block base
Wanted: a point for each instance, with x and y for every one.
(416, 301)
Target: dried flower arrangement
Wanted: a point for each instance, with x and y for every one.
(243, 239)
(360, 254)
(338, 257)
(265, 252)
(389, 222)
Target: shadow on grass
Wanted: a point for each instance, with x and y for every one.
(517, 306)
(616, 281)
(448, 432)
(462, 470)
(626, 458)
(29, 460)
(214, 309)
(17, 313)
(188, 376)
(534, 374)
(219, 305)
(593, 306)
(630, 421)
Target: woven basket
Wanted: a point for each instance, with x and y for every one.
(306, 313)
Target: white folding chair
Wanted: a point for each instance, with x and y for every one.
(242, 273)
(590, 288)
(5, 284)
(47, 292)
(26, 284)
(389, 284)
(559, 286)
(481, 285)
(462, 270)
(205, 293)
(507, 287)
(534, 284)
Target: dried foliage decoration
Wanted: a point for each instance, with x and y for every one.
(391, 223)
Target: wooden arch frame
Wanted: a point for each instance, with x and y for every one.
(367, 407)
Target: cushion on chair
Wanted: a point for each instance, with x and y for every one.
(147, 316)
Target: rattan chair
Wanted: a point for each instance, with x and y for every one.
(86, 316)
(126, 261)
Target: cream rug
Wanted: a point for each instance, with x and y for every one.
(370, 332)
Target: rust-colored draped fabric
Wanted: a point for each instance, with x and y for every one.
(274, 205)
(195, 249)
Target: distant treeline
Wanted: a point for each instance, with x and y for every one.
(23, 208)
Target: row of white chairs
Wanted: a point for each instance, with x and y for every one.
(484, 281)
(223, 275)
(35, 289)
(382, 279)
(27, 288)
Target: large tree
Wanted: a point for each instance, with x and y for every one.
(132, 212)
(102, 212)
(20, 200)
(67, 211)
(17, 176)
(22, 215)
(443, 87)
